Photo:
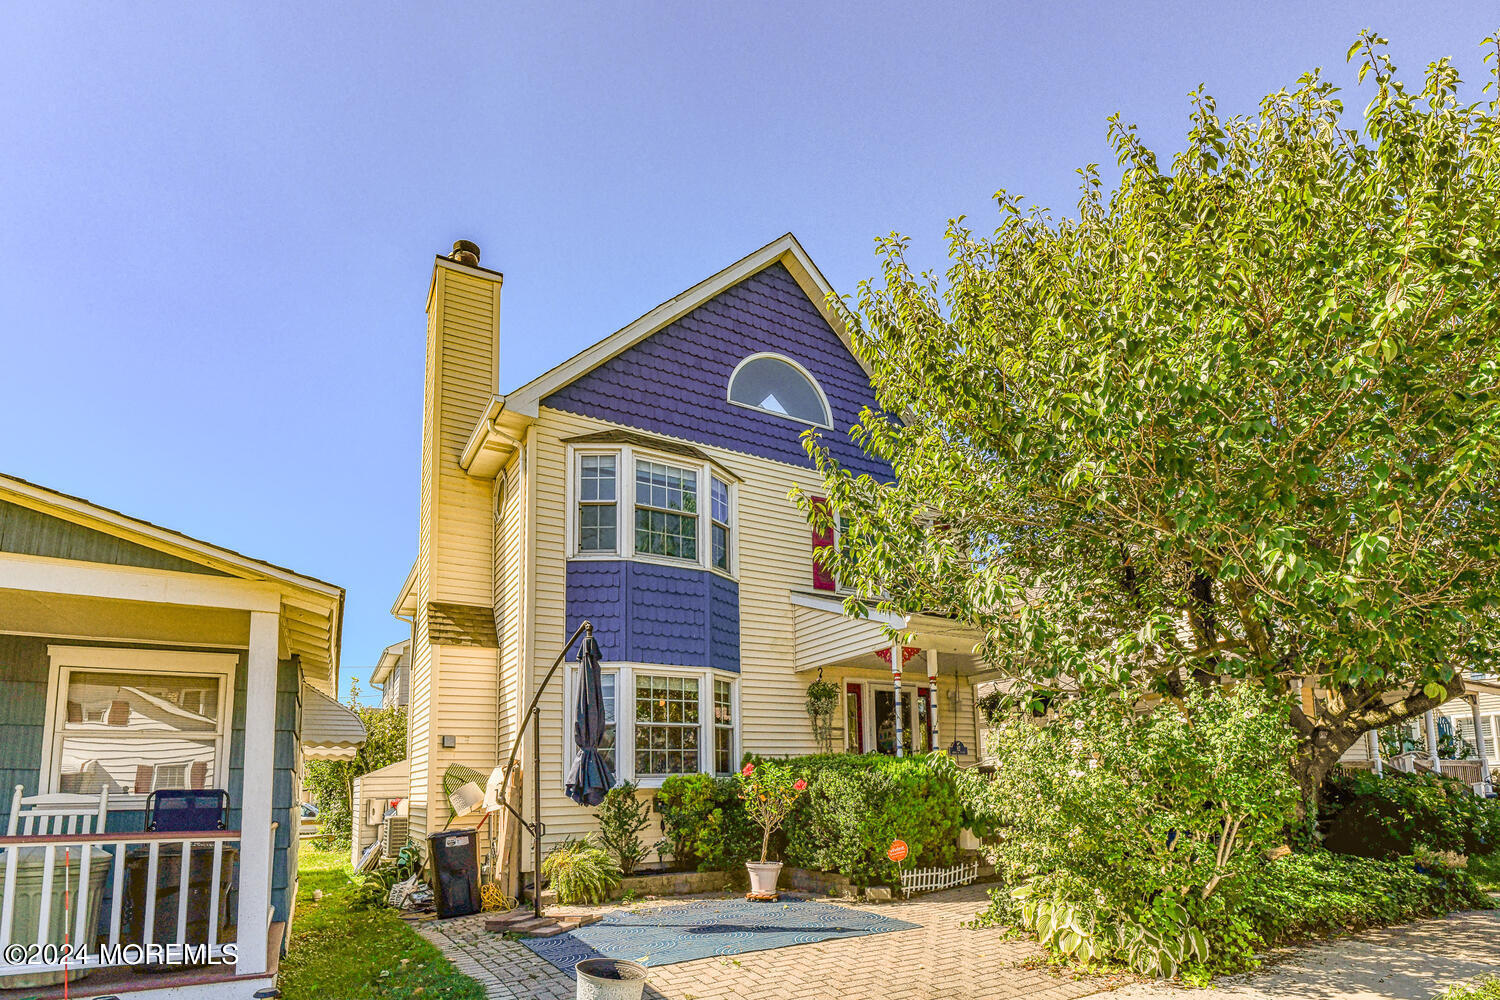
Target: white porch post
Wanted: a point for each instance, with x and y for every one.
(1374, 736)
(932, 696)
(256, 840)
(896, 686)
(1430, 724)
(1484, 758)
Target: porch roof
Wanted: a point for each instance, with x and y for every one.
(311, 610)
(826, 636)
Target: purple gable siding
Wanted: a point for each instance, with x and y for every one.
(676, 381)
(647, 613)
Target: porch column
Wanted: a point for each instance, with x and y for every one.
(1484, 758)
(896, 685)
(932, 697)
(256, 839)
(1374, 736)
(1430, 723)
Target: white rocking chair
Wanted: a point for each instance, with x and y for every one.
(57, 815)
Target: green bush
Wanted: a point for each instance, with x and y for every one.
(1117, 830)
(1487, 988)
(1307, 895)
(856, 805)
(705, 823)
(580, 871)
(1389, 816)
(622, 816)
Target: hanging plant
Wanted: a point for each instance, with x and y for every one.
(822, 702)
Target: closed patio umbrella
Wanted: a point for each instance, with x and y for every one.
(589, 778)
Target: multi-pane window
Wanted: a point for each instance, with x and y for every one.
(719, 518)
(596, 503)
(137, 732)
(607, 744)
(723, 727)
(666, 510)
(667, 725)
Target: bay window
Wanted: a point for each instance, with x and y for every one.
(665, 519)
(661, 721)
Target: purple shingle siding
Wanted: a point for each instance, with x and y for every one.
(648, 613)
(676, 381)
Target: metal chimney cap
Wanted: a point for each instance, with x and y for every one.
(465, 252)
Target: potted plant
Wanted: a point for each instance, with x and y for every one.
(769, 792)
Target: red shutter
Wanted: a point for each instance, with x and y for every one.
(822, 538)
(143, 776)
(200, 774)
(119, 712)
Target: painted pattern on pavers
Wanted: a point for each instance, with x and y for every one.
(708, 928)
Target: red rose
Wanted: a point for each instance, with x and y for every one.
(748, 769)
(800, 785)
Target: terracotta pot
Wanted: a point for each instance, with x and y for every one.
(763, 876)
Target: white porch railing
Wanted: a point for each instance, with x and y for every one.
(136, 868)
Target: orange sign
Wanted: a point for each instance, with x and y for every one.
(897, 853)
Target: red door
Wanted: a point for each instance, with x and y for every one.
(854, 718)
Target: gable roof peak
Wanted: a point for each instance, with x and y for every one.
(784, 250)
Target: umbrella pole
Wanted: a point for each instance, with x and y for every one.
(536, 812)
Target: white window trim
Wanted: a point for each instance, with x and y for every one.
(627, 455)
(822, 396)
(62, 660)
(625, 674)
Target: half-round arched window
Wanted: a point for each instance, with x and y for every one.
(779, 385)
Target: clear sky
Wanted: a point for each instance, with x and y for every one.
(217, 221)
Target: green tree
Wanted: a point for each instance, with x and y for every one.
(332, 781)
(1238, 419)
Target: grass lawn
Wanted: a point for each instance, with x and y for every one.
(338, 953)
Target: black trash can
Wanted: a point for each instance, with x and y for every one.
(454, 856)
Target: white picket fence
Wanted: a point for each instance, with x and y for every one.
(74, 861)
(932, 879)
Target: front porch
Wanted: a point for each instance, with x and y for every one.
(128, 671)
(896, 699)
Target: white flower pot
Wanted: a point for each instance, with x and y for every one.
(610, 979)
(763, 876)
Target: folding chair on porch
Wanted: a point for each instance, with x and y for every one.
(57, 815)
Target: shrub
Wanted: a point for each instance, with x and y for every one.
(1487, 988)
(856, 805)
(1123, 827)
(580, 871)
(1304, 895)
(1389, 816)
(705, 823)
(622, 816)
(769, 791)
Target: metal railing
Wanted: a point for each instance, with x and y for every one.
(121, 928)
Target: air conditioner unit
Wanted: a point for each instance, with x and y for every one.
(393, 834)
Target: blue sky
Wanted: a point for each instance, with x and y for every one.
(217, 221)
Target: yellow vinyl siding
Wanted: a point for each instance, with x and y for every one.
(509, 570)
(454, 690)
(774, 553)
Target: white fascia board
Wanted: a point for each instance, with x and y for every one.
(132, 583)
(92, 516)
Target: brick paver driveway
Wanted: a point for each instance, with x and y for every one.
(939, 960)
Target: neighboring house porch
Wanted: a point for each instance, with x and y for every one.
(136, 660)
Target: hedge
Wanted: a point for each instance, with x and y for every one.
(854, 808)
(1388, 816)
